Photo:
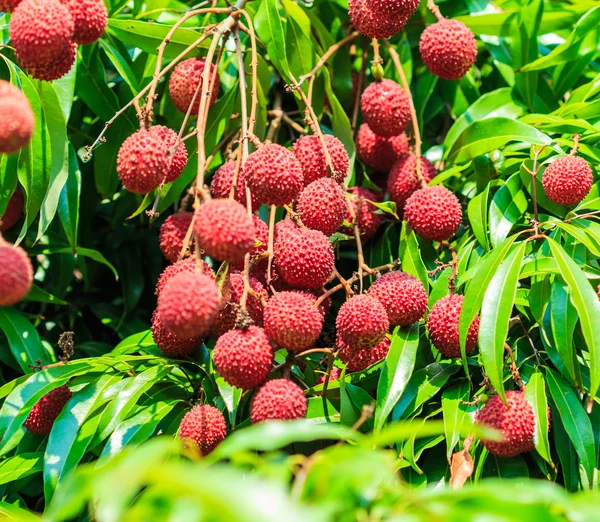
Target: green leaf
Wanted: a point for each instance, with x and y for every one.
(410, 255)
(68, 204)
(39, 295)
(507, 208)
(535, 393)
(478, 216)
(456, 413)
(20, 466)
(269, 28)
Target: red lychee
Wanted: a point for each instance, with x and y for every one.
(90, 18)
(448, 49)
(304, 258)
(380, 18)
(322, 206)
(377, 153)
(568, 180)
(14, 210)
(16, 274)
(274, 175)
(434, 213)
(359, 360)
(385, 107)
(203, 426)
(367, 220)
(8, 6)
(188, 304)
(170, 344)
(279, 399)
(402, 296)
(224, 229)
(402, 182)
(184, 83)
(362, 322)
(222, 180)
(45, 411)
(185, 265)
(309, 152)
(334, 375)
(50, 70)
(17, 122)
(293, 321)
(261, 246)
(244, 357)
(172, 234)
(442, 325)
(179, 158)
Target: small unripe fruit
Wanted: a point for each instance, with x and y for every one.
(17, 122)
(16, 274)
(381, 18)
(244, 357)
(293, 321)
(442, 325)
(367, 220)
(45, 411)
(170, 344)
(188, 304)
(359, 360)
(185, 265)
(568, 180)
(274, 175)
(184, 83)
(204, 427)
(386, 108)
(90, 18)
(378, 153)
(279, 399)
(309, 152)
(178, 159)
(434, 213)
(50, 70)
(403, 182)
(222, 180)
(172, 234)
(322, 206)
(362, 322)
(13, 212)
(448, 49)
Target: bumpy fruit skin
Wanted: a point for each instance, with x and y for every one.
(359, 360)
(222, 181)
(172, 234)
(567, 180)
(205, 427)
(142, 162)
(40, 29)
(16, 274)
(386, 108)
(13, 212)
(224, 229)
(322, 206)
(262, 242)
(278, 399)
(515, 420)
(402, 182)
(434, 213)
(274, 175)
(50, 70)
(334, 375)
(188, 304)
(90, 18)
(381, 18)
(442, 325)
(402, 296)
(17, 122)
(45, 411)
(179, 159)
(448, 49)
(304, 258)
(368, 221)
(362, 322)
(8, 6)
(244, 357)
(309, 152)
(293, 321)
(184, 83)
(185, 265)
(378, 153)
(170, 344)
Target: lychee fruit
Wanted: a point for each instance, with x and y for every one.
(17, 122)
(261, 245)
(334, 375)
(279, 399)
(14, 210)
(378, 153)
(367, 220)
(222, 180)
(224, 230)
(274, 175)
(185, 265)
(8, 6)
(434, 213)
(362, 322)
(142, 162)
(304, 258)
(322, 206)
(16, 273)
(515, 420)
(359, 360)
(179, 157)
(293, 321)
(244, 357)
(309, 152)
(45, 411)
(568, 180)
(204, 426)
(402, 296)
(442, 325)
(50, 70)
(90, 18)
(385, 107)
(448, 49)
(185, 79)
(402, 181)
(170, 344)
(172, 234)
(188, 304)
(381, 18)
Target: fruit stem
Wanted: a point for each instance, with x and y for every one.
(272, 210)
(453, 265)
(359, 86)
(435, 10)
(575, 144)
(359, 249)
(276, 121)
